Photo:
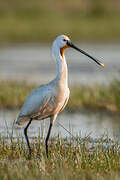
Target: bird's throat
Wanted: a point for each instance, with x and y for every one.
(62, 50)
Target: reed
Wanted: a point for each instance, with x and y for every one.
(73, 158)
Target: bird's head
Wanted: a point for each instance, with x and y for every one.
(63, 42)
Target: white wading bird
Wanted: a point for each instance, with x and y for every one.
(50, 99)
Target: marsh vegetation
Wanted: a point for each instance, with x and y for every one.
(68, 159)
(97, 97)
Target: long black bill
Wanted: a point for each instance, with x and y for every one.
(83, 52)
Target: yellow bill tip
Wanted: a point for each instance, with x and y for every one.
(102, 64)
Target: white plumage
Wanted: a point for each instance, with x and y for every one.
(43, 102)
(50, 99)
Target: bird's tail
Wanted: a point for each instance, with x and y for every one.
(22, 120)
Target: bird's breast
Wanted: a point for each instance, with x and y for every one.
(61, 97)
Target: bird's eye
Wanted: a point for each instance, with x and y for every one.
(64, 40)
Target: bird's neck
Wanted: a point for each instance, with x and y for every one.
(62, 74)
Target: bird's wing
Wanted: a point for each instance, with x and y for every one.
(35, 102)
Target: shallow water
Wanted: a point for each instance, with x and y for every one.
(34, 63)
(82, 124)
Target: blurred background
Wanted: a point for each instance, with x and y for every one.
(27, 30)
(41, 21)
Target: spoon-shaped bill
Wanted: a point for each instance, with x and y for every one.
(83, 52)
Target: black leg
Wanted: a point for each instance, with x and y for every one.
(26, 137)
(47, 138)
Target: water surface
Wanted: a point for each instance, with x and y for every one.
(34, 63)
(80, 124)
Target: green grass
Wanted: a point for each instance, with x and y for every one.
(42, 21)
(98, 97)
(13, 94)
(68, 160)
